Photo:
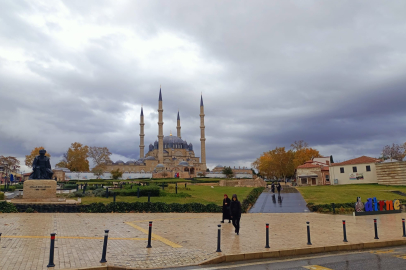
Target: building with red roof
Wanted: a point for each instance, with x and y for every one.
(361, 170)
(314, 172)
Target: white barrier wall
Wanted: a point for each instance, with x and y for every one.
(220, 175)
(87, 176)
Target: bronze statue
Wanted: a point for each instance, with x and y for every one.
(41, 167)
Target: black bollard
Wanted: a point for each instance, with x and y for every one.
(376, 229)
(84, 189)
(344, 232)
(403, 222)
(218, 238)
(138, 192)
(131, 186)
(51, 251)
(107, 192)
(149, 196)
(114, 198)
(185, 185)
(77, 187)
(334, 208)
(106, 236)
(308, 233)
(149, 235)
(97, 186)
(176, 188)
(102, 186)
(267, 236)
(121, 186)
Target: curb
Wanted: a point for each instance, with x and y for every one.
(301, 251)
(273, 254)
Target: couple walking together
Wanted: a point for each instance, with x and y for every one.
(232, 211)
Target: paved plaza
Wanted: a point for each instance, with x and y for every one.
(178, 239)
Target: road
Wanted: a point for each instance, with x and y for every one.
(382, 259)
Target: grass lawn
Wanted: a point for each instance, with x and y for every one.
(200, 194)
(349, 193)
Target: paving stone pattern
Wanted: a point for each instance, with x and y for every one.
(25, 237)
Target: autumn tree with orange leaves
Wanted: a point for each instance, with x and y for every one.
(281, 163)
(35, 152)
(75, 159)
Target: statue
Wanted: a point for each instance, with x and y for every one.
(41, 167)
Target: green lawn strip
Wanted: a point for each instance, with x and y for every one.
(200, 194)
(349, 193)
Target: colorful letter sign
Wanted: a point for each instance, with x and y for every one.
(373, 206)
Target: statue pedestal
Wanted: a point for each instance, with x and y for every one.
(39, 189)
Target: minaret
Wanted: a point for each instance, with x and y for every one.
(160, 130)
(142, 133)
(178, 127)
(202, 135)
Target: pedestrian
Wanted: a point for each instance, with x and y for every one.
(226, 208)
(235, 213)
(273, 187)
(278, 187)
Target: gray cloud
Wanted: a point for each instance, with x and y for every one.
(330, 73)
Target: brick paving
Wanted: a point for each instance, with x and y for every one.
(179, 239)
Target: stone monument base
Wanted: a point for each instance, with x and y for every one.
(39, 189)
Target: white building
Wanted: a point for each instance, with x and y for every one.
(359, 170)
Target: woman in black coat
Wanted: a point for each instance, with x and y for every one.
(235, 212)
(226, 208)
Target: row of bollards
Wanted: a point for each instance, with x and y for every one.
(104, 252)
(149, 245)
(308, 233)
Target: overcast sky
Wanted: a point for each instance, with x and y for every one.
(331, 73)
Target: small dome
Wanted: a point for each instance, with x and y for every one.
(183, 163)
(219, 166)
(160, 166)
(119, 161)
(150, 158)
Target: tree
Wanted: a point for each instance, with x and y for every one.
(395, 152)
(99, 170)
(303, 155)
(99, 155)
(299, 145)
(75, 159)
(228, 172)
(9, 164)
(35, 152)
(116, 174)
(277, 163)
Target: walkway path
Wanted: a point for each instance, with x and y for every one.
(178, 239)
(289, 201)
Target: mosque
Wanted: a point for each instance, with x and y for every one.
(169, 154)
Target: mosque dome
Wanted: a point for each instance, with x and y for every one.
(173, 139)
(119, 161)
(150, 158)
(183, 163)
(160, 166)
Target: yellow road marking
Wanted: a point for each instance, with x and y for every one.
(316, 267)
(154, 236)
(401, 256)
(71, 237)
(382, 251)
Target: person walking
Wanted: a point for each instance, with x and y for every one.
(273, 187)
(226, 208)
(235, 213)
(278, 187)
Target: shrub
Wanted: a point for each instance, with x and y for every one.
(144, 190)
(1, 196)
(69, 186)
(29, 210)
(19, 186)
(6, 207)
(251, 199)
(10, 188)
(342, 208)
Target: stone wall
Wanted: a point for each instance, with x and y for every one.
(258, 182)
(391, 173)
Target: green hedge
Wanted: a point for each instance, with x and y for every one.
(10, 188)
(6, 207)
(251, 198)
(144, 190)
(120, 207)
(328, 208)
(69, 186)
(1, 196)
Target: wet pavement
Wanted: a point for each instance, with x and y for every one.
(289, 201)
